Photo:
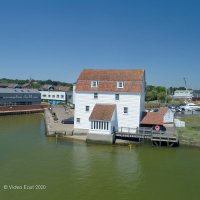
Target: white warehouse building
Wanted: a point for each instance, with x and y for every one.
(108, 99)
(183, 94)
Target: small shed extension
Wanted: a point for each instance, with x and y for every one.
(162, 117)
(102, 119)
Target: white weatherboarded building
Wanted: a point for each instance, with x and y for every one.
(53, 97)
(108, 99)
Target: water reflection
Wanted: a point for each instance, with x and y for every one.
(76, 170)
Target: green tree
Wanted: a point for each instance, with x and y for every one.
(150, 96)
(168, 99)
(150, 88)
(161, 96)
(36, 85)
(160, 89)
(49, 81)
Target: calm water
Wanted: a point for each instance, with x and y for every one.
(75, 170)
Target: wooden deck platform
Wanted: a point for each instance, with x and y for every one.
(158, 138)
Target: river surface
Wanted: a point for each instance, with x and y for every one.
(35, 167)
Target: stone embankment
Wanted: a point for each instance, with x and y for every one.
(191, 141)
(22, 109)
(54, 127)
(53, 123)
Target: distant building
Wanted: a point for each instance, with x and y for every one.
(4, 85)
(27, 85)
(183, 94)
(61, 88)
(14, 85)
(10, 96)
(69, 95)
(53, 97)
(47, 87)
(196, 95)
(10, 85)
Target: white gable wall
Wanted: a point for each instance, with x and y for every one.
(74, 94)
(169, 117)
(130, 100)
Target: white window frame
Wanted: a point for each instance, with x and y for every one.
(120, 84)
(100, 125)
(94, 83)
(78, 120)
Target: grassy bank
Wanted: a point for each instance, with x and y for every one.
(190, 134)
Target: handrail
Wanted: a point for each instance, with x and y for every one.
(142, 130)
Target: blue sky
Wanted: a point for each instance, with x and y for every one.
(56, 39)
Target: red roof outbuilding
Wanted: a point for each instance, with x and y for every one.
(154, 118)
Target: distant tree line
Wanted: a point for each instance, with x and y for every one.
(153, 93)
(36, 83)
(160, 93)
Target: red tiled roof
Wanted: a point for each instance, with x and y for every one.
(27, 85)
(4, 85)
(62, 88)
(108, 78)
(155, 118)
(110, 86)
(102, 112)
(163, 110)
(112, 74)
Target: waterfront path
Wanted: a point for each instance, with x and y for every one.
(53, 118)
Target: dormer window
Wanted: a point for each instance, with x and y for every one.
(120, 84)
(94, 84)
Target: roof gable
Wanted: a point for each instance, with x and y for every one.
(112, 74)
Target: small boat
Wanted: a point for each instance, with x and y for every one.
(190, 107)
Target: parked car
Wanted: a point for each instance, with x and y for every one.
(68, 121)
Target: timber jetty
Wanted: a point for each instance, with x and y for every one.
(158, 138)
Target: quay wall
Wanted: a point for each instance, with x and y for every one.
(25, 109)
(56, 128)
(190, 141)
(100, 138)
